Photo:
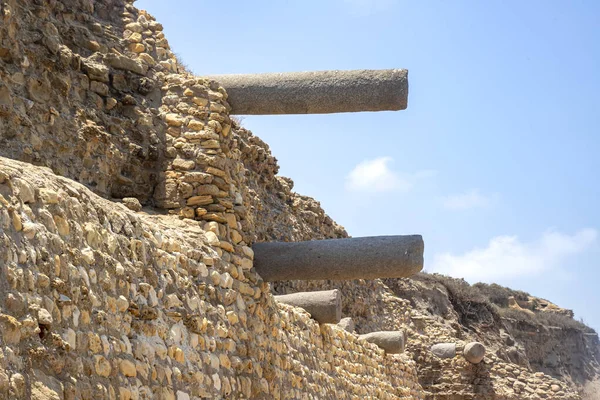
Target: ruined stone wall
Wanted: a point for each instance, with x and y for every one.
(79, 92)
(99, 300)
(424, 311)
(103, 301)
(275, 211)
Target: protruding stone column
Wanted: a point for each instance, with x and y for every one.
(444, 350)
(474, 352)
(390, 341)
(323, 306)
(319, 92)
(340, 259)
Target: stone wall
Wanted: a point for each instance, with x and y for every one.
(99, 301)
(79, 91)
(101, 298)
(424, 311)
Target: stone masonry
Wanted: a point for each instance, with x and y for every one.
(129, 202)
(126, 266)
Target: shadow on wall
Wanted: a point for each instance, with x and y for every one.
(74, 99)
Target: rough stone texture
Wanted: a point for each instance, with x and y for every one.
(444, 350)
(317, 92)
(340, 259)
(474, 352)
(347, 324)
(69, 106)
(437, 315)
(275, 211)
(195, 324)
(324, 306)
(392, 342)
(89, 287)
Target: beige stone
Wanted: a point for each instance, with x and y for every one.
(128, 368)
(199, 200)
(102, 366)
(48, 196)
(181, 164)
(10, 329)
(174, 120)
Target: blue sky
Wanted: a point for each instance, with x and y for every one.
(495, 161)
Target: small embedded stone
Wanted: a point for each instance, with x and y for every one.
(199, 177)
(212, 238)
(111, 103)
(182, 164)
(10, 329)
(62, 225)
(24, 191)
(122, 303)
(199, 200)
(128, 368)
(99, 88)
(195, 125)
(132, 203)
(102, 366)
(200, 101)
(174, 120)
(44, 317)
(48, 196)
(212, 190)
(235, 236)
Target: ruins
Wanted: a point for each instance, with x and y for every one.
(149, 250)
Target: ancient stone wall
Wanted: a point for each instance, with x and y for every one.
(99, 301)
(80, 89)
(102, 299)
(424, 311)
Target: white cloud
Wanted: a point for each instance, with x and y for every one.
(366, 7)
(506, 257)
(376, 176)
(468, 200)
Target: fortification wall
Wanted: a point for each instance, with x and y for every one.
(99, 301)
(102, 299)
(77, 97)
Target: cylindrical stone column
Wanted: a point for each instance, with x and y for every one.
(444, 350)
(340, 259)
(390, 341)
(474, 352)
(318, 92)
(324, 306)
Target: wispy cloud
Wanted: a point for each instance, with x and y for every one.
(366, 7)
(506, 257)
(377, 176)
(468, 200)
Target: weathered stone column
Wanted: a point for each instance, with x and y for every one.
(444, 350)
(474, 352)
(319, 92)
(340, 259)
(324, 306)
(390, 341)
